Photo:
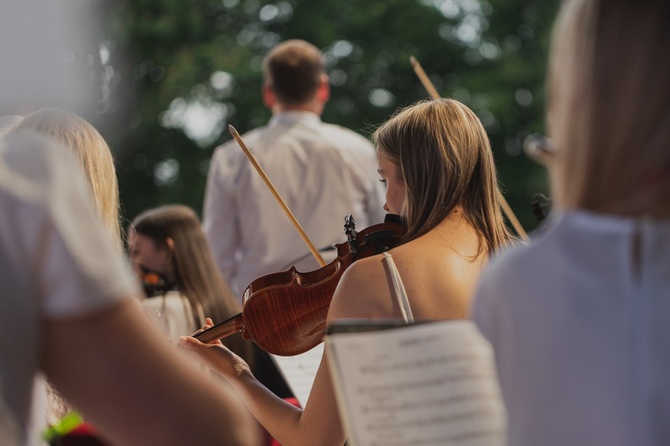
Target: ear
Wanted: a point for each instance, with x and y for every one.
(323, 93)
(169, 241)
(269, 98)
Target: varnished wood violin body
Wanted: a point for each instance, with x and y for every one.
(285, 313)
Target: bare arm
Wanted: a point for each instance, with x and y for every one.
(134, 387)
(363, 292)
(318, 424)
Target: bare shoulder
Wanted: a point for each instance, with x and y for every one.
(361, 288)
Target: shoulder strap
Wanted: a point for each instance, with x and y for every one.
(399, 289)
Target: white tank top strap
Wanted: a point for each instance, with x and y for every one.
(399, 289)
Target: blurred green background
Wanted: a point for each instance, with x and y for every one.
(176, 73)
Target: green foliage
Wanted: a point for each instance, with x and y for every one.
(204, 56)
(65, 425)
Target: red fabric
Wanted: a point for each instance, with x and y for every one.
(82, 435)
(83, 429)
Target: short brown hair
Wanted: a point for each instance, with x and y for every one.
(293, 69)
(445, 160)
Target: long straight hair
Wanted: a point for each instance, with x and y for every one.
(609, 106)
(92, 152)
(196, 274)
(195, 271)
(445, 160)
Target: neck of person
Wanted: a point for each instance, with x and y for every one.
(312, 106)
(458, 233)
(454, 222)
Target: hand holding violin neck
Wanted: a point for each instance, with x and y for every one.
(221, 330)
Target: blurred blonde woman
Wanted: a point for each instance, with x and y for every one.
(90, 150)
(579, 318)
(95, 157)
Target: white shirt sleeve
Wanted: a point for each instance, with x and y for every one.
(220, 215)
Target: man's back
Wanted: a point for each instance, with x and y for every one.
(322, 171)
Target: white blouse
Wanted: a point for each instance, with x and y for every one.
(579, 321)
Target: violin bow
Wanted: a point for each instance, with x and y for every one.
(428, 85)
(278, 197)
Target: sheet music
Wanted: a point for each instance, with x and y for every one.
(299, 371)
(421, 385)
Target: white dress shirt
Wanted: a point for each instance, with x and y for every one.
(579, 321)
(322, 171)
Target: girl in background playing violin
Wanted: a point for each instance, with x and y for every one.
(436, 161)
(167, 243)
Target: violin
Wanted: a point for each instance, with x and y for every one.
(540, 205)
(285, 313)
(543, 151)
(153, 282)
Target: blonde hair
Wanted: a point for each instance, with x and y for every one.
(90, 148)
(293, 69)
(445, 160)
(609, 106)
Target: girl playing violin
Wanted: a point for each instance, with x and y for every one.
(168, 242)
(436, 161)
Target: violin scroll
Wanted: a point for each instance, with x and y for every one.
(153, 282)
(540, 204)
(540, 149)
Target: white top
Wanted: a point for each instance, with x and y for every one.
(322, 171)
(579, 321)
(172, 314)
(55, 261)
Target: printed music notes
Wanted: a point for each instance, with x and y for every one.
(427, 384)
